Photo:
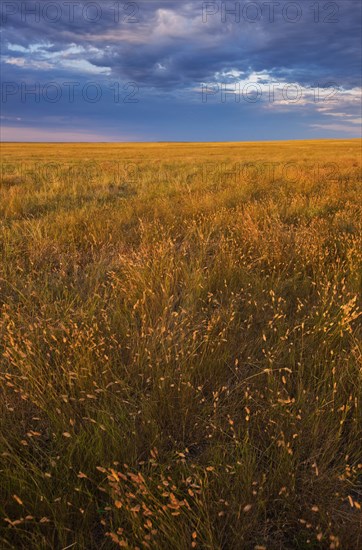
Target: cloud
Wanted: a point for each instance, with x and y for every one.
(170, 49)
(177, 36)
(9, 133)
(338, 128)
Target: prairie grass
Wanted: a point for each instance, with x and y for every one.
(180, 346)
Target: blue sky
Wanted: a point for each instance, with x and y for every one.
(75, 70)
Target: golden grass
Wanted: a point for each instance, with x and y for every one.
(180, 342)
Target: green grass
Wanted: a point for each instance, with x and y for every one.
(181, 348)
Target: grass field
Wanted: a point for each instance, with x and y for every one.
(180, 344)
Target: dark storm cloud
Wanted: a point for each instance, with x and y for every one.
(190, 42)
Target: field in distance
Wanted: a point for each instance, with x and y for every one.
(180, 346)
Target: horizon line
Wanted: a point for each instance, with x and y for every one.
(178, 142)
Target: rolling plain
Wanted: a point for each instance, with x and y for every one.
(180, 346)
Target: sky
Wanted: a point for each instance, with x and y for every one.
(182, 70)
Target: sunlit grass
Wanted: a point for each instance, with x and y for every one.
(180, 341)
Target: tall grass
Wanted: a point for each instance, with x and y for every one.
(180, 342)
